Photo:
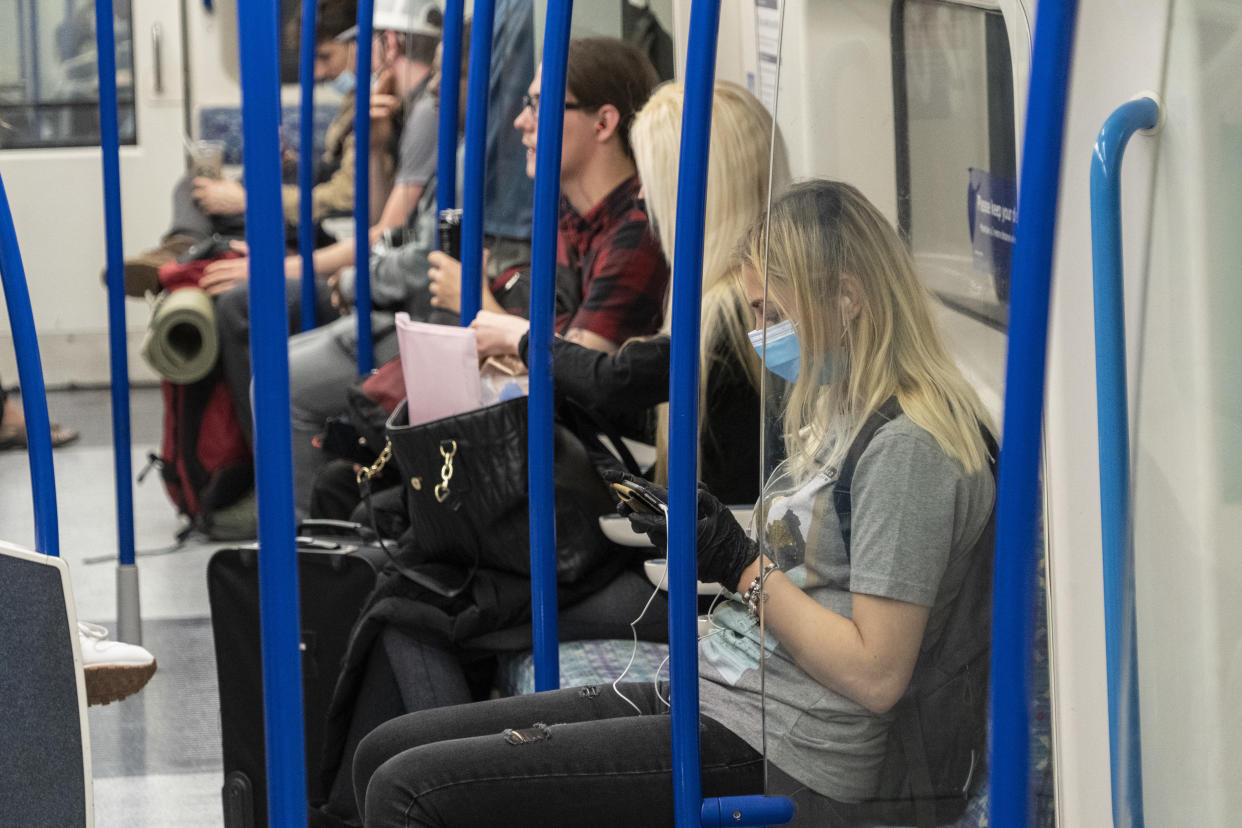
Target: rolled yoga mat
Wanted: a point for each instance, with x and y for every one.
(181, 343)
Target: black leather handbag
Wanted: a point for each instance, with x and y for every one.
(468, 495)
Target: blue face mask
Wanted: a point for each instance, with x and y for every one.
(344, 83)
(782, 357)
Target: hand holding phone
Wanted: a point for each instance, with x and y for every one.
(724, 549)
(646, 499)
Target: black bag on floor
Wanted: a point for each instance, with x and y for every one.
(336, 572)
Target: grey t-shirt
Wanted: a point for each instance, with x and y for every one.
(917, 519)
(416, 159)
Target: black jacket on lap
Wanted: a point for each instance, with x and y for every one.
(624, 386)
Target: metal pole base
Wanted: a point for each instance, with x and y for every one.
(128, 615)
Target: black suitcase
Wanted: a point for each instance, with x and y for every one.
(337, 570)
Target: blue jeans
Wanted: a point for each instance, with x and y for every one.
(595, 762)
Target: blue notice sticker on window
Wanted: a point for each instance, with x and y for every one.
(992, 212)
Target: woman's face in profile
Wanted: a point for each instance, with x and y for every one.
(771, 312)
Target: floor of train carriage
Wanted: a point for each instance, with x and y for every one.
(155, 756)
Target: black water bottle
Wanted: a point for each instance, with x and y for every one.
(450, 232)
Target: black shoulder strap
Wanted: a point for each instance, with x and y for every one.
(595, 426)
(890, 410)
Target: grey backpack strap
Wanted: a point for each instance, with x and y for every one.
(890, 410)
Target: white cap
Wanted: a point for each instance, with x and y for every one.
(407, 16)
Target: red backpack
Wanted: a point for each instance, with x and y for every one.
(205, 458)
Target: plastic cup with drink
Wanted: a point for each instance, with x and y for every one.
(206, 159)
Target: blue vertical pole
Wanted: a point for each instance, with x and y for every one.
(269, 332)
(479, 83)
(450, 103)
(30, 375)
(362, 189)
(306, 163)
(542, 310)
(684, 410)
(129, 623)
(1017, 501)
(1114, 437)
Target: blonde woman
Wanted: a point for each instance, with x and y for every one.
(845, 628)
(625, 385)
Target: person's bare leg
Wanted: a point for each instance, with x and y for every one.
(14, 418)
(13, 428)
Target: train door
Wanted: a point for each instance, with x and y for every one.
(49, 156)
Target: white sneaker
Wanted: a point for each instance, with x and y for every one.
(114, 669)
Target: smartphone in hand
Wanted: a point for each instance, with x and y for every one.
(640, 498)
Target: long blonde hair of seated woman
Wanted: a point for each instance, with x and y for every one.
(737, 193)
(816, 232)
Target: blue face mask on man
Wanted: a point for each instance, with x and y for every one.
(344, 83)
(782, 357)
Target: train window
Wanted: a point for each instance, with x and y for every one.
(48, 79)
(956, 151)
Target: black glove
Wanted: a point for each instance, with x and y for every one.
(724, 549)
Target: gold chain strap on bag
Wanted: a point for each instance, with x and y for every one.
(448, 449)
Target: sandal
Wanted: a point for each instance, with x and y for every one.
(14, 436)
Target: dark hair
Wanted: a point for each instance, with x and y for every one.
(420, 48)
(604, 70)
(334, 17)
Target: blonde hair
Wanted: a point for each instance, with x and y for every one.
(815, 233)
(737, 193)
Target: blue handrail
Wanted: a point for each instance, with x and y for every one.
(269, 333)
(306, 162)
(539, 354)
(362, 188)
(683, 390)
(1114, 437)
(128, 625)
(689, 807)
(722, 811)
(30, 375)
(1017, 500)
(477, 93)
(450, 103)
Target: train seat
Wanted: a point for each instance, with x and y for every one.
(45, 764)
(224, 123)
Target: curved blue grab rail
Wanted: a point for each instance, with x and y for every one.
(1017, 499)
(723, 811)
(477, 93)
(128, 617)
(450, 106)
(269, 334)
(306, 162)
(1114, 437)
(539, 354)
(362, 188)
(30, 375)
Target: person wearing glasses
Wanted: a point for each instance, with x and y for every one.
(604, 235)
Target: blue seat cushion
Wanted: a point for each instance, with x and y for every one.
(581, 663)
(224, 123)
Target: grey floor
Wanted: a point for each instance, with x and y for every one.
(156, 755)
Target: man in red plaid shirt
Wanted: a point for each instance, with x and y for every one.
(604, 234)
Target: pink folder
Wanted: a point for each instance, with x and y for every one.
(441, 368)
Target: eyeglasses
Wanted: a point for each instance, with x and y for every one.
(531, 102)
